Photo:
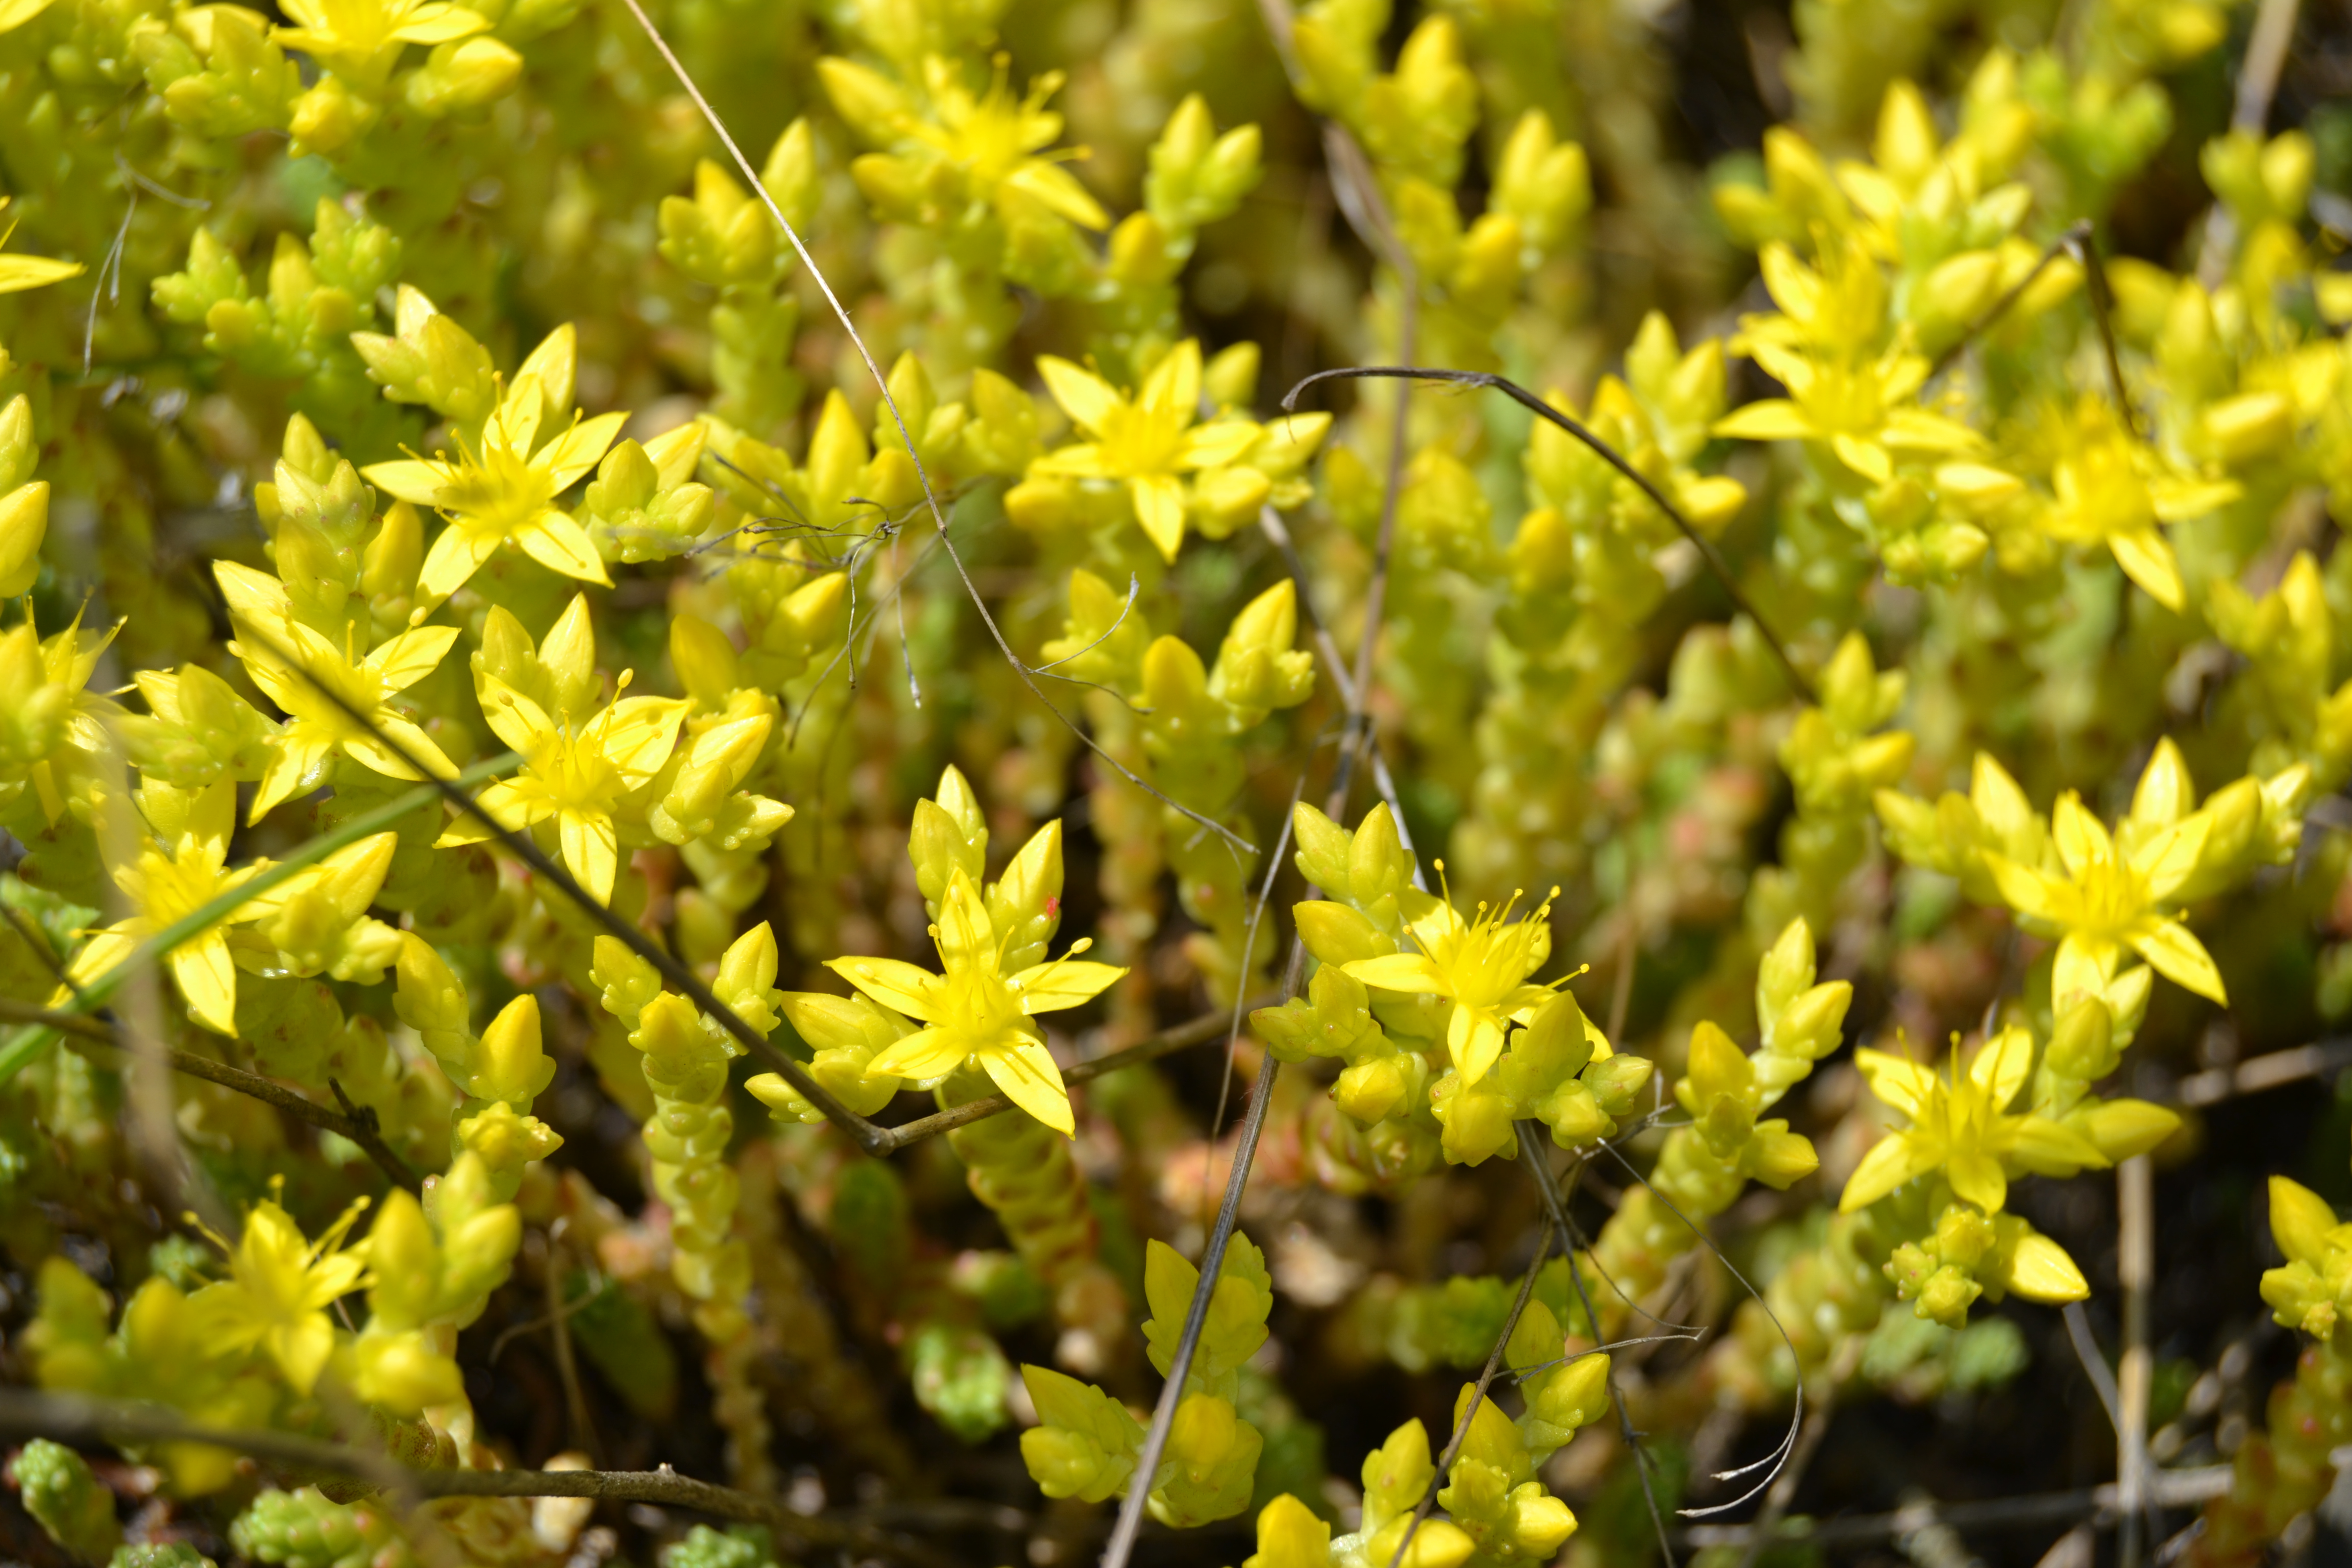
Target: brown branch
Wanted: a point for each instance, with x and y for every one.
(355, 1122)
(80, 1420)
(2270, 1070)
(2136, 1271)
(2169, 1488)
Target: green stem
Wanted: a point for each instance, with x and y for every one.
(26, 1045)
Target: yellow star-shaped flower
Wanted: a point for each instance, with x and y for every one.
(977, 1011)
(2111, 901)
(279, 1290)
(1480, 964)
(1961, 1125)
(1146, 442)
(166, 878)
(298, 669)
(366, 35)
(2107, 488)
(505, 493)
(577, 775)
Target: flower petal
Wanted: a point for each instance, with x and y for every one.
(410, 657)
(1408, 972)
(509, 803)
(515, 717)
(1767, 420)
(2165, 861)
(1867, 458)
(294, 755)
(897, 985)
(1060, 192)
(1214, 446)
(1083, 461)
(1159, 507)
(1977, 1177)
(2180, 957)
(413, 742)
(571, 455)
(1474, 1040)
(1892, 1160)
(1898, 1082)
(2147, 561)
(1025, 1070)
(642, 733)
(592, 849)
(2026, 890)
(1068, 983)
(560, 544)
(252, 595)
(925, 1053)
(419, 483)
(2002, 1064)
(2082, 839)
(456, 554)
(208, 980)
(438, 24)
(1172, 389)
(1085, 397)
(964, 936)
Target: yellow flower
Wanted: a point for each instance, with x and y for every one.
(366, 35)
(996, 139)
(52, 726)
(975, 1010)
(291, 663)
(1849, 386)
(505, 493)
(2110, 900)
(18, 273)
(169, 882)
(2107, 490)
(1145, 442)
(575, 775)
(1480, 964)
(1960, 1124)
(992, 138)
(279, 1290)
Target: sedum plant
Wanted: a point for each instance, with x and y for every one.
(570, 574)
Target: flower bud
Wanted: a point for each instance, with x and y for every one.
(402, 1373)
(791, 174)
(462, 75)
(627, 981)
(24, 523)
(508, 1063)
(1947, 1296)
(2121, 1129)
(2081, 1044)
(869, 100)
(2240, 430)
(1337, 934)
(747, 979)
(2033, 1266)
(328, 117)
(1780, 1158)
